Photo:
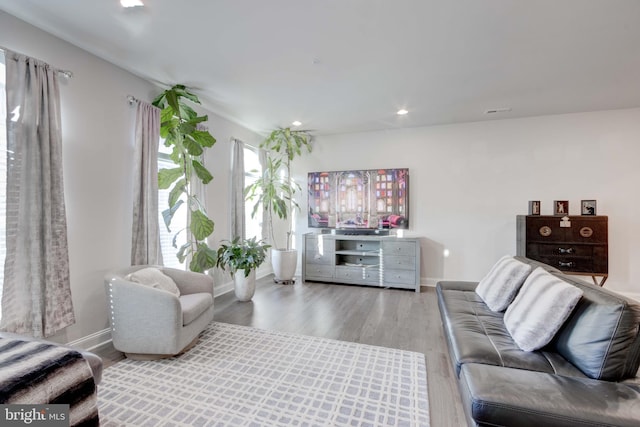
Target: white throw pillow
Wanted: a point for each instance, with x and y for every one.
(498, 288)
(540, 309)
(155, 278)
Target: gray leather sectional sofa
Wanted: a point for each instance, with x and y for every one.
(587, 376)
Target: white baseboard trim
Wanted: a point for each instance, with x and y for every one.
(228, 286)
(93, 341)
(223, 289)
(429, 281)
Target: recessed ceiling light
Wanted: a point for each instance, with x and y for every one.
(131, 3)
(296, 123)
(402, 112)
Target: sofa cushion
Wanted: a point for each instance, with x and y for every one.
(154, 278)
(542, 306)
(476, 334)
(602, 335)
(193, 305)
(507, 397)
(498, 288)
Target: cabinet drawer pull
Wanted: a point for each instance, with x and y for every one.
(565, 250)
(566, 264)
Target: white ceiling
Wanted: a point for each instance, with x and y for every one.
(348, 65)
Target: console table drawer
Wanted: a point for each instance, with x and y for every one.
(313, 257)
(399, 248)
(406, 277)
(399, 262)
(318, 271)
(369, 276)
(320, 243)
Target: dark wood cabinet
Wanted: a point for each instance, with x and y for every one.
(573, 244)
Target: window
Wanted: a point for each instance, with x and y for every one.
(179, 220)
(3, 171)
(252, 171)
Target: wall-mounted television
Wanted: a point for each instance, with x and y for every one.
(359, 199)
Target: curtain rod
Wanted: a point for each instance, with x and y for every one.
(132, 99)
(67, 73)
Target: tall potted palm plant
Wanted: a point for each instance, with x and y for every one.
(179, 128)
(275, 191)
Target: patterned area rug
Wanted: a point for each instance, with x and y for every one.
(241, 376)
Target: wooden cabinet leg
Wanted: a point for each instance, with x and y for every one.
(601, 283)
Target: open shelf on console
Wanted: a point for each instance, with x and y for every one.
(358, 260)
(359, 253)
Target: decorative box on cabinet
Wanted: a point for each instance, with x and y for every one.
(573, 244)
(385, 261)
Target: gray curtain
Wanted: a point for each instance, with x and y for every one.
(145, 236)
(237, 189)
(266, 232)
(36, 297)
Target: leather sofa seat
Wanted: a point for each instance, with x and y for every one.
(515, 397)
(478, 335)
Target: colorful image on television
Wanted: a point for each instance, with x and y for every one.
(373, 198)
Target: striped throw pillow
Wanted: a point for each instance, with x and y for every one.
(540, 309)
(498, 288)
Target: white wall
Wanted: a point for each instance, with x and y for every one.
(97, 131)
(469, 181)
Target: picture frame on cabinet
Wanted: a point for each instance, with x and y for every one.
(534, 207)
(561, 207)
(588, 207)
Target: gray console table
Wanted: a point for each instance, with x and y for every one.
(384, 261)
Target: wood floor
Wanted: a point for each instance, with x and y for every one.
(385, 317)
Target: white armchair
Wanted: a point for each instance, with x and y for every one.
(148, 322)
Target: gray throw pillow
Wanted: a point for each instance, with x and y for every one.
(498, 288)
(154, 278)
(540, 309)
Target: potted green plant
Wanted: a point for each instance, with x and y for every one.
(179, 128)
(275, 192)
(246, 256)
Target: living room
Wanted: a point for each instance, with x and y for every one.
(469, 178)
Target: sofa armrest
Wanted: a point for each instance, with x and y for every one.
(499, 396)
(190, 282)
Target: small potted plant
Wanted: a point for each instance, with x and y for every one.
(246, 255)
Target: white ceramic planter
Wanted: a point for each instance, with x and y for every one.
(284, 264)
(244, 287)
